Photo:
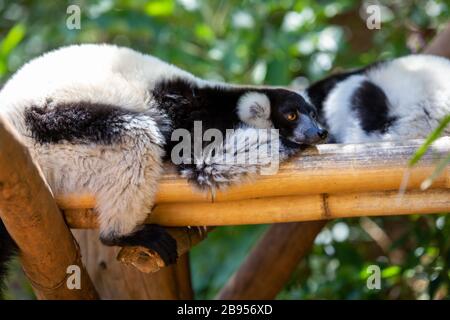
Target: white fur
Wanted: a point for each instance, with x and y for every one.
(338, 111)
(93, 73)
(253, 108)
(410, 83)
(122, 176)
(119, 175)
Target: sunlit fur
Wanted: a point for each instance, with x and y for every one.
(416, 90)
(123, 172)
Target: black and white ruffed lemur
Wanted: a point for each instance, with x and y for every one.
(404, 98)
(99, 119)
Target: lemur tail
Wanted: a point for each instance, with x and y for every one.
(8, 249)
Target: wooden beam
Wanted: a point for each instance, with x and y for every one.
(345, 173)
(376, 166)
(440, 45)
(264, 272)
(332, 168)
(34, 221)
(286, 209)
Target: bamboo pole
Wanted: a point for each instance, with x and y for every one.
(342, 168)
(286, 209)
(333, 168)
(34, 221)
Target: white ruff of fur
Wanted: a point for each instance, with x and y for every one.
(244, 154)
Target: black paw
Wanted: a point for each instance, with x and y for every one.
(152, 237)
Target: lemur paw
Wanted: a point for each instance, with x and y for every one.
(152, 237)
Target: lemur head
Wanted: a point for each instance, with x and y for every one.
(285, 110)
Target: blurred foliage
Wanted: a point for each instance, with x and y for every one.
(276, 42)
(442, 164)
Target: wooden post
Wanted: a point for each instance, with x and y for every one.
(146, 260)
(263, 274)
(34, 221)
(118, 281)
(440, 45)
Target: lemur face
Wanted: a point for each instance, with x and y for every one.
(285, 110)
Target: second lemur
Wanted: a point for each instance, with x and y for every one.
(405, 98)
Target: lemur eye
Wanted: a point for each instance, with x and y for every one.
(313, 115)
(292, 116)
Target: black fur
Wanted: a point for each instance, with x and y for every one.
(372, 107)
(8, 249)
(77, 122)
(184, 103)
(215, 107)
(283, 102)
(151, 236)
(320, 90)
(427, 113)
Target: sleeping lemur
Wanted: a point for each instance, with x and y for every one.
(400, 99)
(99, 119)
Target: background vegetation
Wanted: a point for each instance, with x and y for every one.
(276, 42)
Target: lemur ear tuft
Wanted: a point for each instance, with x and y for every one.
(253, 108)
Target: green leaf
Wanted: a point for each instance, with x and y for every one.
(160, 8)
(436, 173)
(204, 32)
(390, 272)
(364, 273)
(3, 68)
(432, 251)
(12, 39)
(431, 138)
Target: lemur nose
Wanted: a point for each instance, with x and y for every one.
(322, 133)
